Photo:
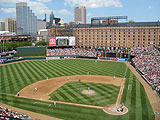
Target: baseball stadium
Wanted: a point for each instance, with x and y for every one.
(66, 80)
(68, 84)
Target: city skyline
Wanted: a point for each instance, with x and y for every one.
(138, 10)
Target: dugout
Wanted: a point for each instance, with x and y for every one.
(31, 51)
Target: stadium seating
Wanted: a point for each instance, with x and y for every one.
(7, 114)
(71, 51)
(145, 51)
(148, 62)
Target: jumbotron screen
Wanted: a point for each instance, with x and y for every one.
(62, 41)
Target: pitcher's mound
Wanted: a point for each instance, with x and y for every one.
(88, 93)
(113, 110)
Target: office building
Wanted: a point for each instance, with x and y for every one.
(10, 24)
(2, 25)
(26, 20)
(41, 24)
(80, 15)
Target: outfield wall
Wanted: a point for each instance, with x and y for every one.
(31, 51)
(22, 59)
(64, 57)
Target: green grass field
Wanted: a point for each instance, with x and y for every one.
(105, 94)
(14, 77)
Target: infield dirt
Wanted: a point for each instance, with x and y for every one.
(46, 87)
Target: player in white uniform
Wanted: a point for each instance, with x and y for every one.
(35, 89)
(88, 89)
(54, 104)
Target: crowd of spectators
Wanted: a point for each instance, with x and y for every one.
(145, 51)
(7, 114)
(71, 51)
(124, 50)
(149, 65)
(8, 55)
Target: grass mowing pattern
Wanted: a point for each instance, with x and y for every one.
(136, 100)
(14, 77)
(105, 94)
(17, 76)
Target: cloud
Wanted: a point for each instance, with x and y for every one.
(13, 1)
(44, 1)
(64, 11)
(149, 6)
(38, 7)
(93, 3)
(8, 10)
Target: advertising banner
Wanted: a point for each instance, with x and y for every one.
(72, 41)
(52, 41)
(51, 58)
(99, 54)
(122, 59)
(114, 59)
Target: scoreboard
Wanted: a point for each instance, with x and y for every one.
(62, 41)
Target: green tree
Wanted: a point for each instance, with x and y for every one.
(13, 45)
(42, 43)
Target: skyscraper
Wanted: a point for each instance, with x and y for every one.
(2, 25)
(51, 21)
(25, 19)
(80, 15)
(10, 24)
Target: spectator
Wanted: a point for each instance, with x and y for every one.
(148, 62)
(72, 51)
(6, 114)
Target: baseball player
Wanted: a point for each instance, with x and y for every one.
(88, 89)
(79, 80)
(47, 78)
(54, 104)
(114, 77)
(18, 93)
(35, 89)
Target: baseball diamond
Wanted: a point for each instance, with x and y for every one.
(71, 92)
(71, 104)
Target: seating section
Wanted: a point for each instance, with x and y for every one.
(71, 51)
(145, 51)
(7, 114)
(148, 62)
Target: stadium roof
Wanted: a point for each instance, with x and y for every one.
(128, 24)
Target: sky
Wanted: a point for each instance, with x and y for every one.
(138, 10)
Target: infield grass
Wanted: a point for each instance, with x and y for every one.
(14, 77)
(105, 94)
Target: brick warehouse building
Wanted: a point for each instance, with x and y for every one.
(112, 37)
(122, 35)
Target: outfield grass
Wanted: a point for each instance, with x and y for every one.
(105, 94)
(17, 76)
(14, 77)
